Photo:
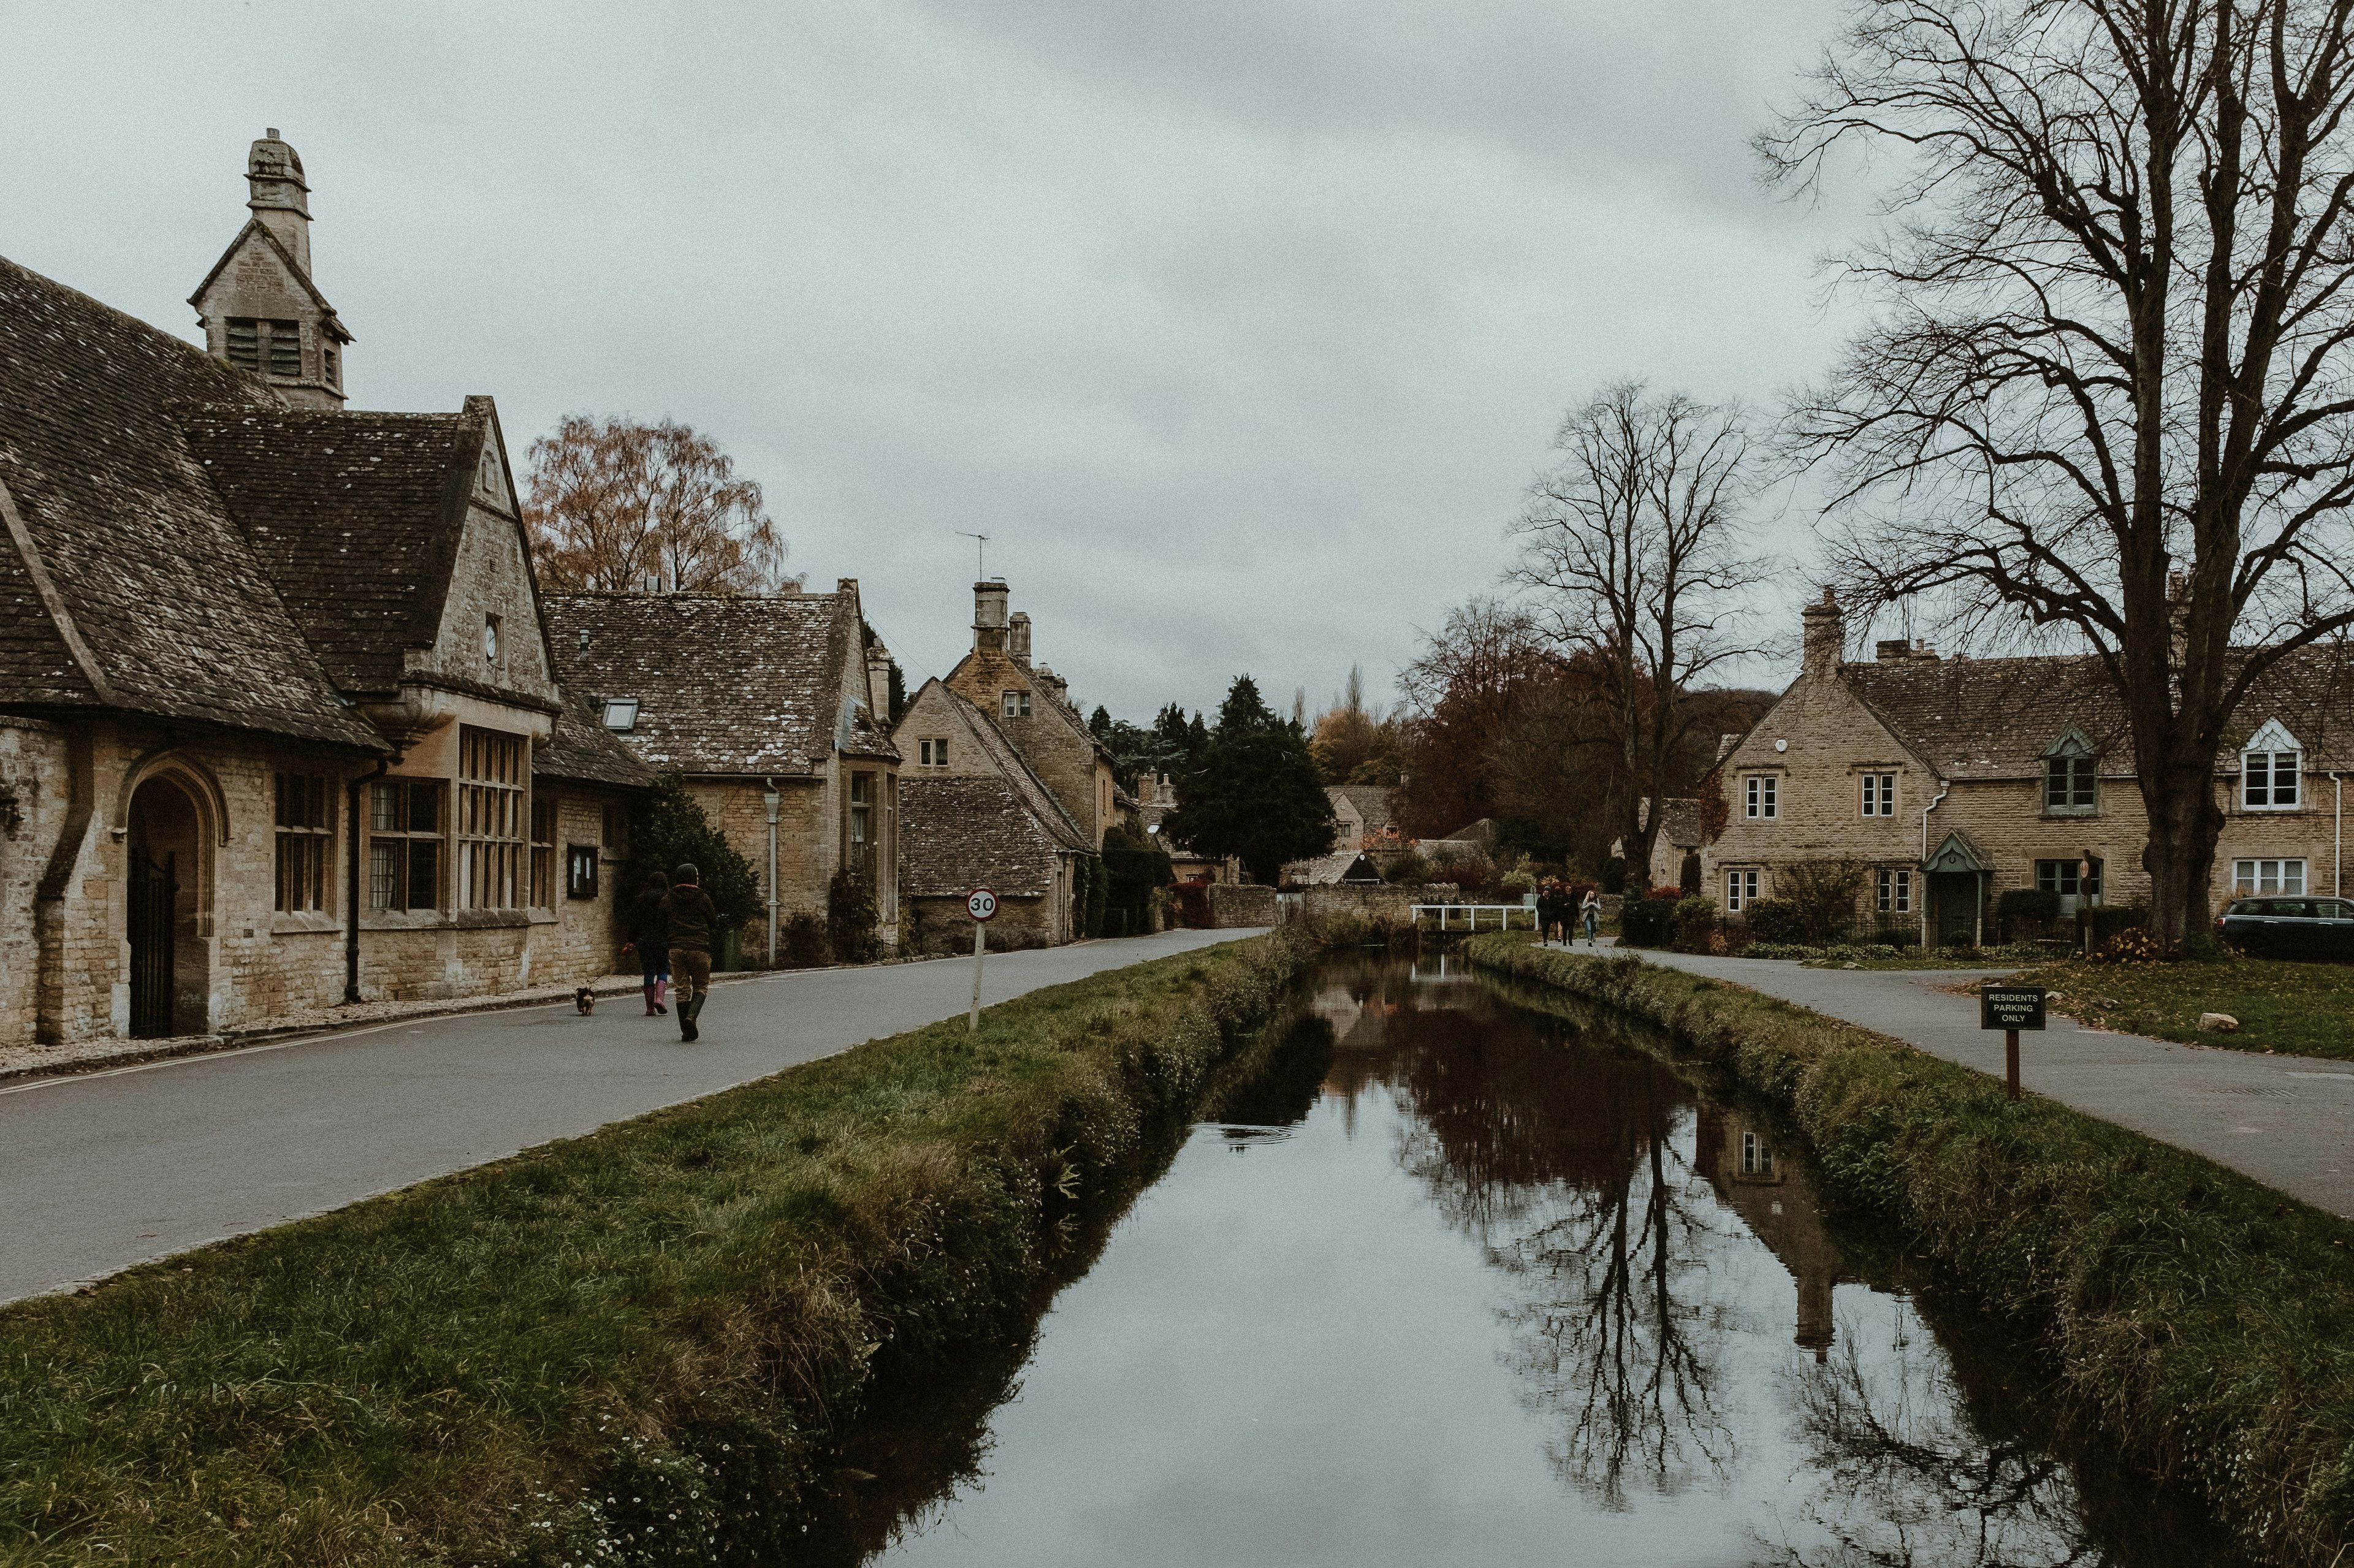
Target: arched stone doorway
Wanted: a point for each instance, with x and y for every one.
(168, 905)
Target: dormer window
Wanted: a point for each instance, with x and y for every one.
(934, 753)
(2270, 769)
(2071, 776)
(621, 714)
(1014, 704)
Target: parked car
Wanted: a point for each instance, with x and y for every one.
(2289, 927)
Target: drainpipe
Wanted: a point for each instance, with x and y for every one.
(2336, 834)
(770, 798)
(1944, 789)
(352, 883)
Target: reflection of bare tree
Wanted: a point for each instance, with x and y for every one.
(1568, 1163)
(1617, 1336)
(1904, 1477)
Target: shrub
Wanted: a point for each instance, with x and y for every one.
(804, 944)
(1823, 893)
(1408, 870)
(1696, 920)
(2133, 945)
(1775, 921)
(2028, 904)
(1516, 884)
(851, 914)
(1614, 874)
(1472, 872)
(2106, 924)
(1646, 922)
(669, 827)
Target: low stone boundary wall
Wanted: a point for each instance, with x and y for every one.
(1234, 906)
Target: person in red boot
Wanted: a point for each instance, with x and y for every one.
(646, 941)
(690, 926)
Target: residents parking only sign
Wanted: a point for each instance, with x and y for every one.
(2011, 1007)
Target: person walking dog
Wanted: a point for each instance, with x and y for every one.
(646, 941)
(690, 924)
(1592, 910)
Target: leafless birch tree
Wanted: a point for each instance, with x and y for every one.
(1632, 555)
(2104, 390)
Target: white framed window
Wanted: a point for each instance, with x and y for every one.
(2272, 771)
(621, 714)
(1739, 891)
(1765, 792)
(933, 753)
(1013, 704)
(2258, 877)
(1895, 891)
(1880, 794)
(1756, 1155)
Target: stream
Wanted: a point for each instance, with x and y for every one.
(1460, 1278)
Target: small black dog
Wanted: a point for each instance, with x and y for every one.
(584, 999)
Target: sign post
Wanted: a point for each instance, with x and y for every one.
(2010, 1009)
(982, 905)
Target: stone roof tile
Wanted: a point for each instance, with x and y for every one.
(968, 830)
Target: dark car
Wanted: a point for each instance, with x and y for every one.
(2289, 927)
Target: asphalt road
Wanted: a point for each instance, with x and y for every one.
(107, 1169)
(2288, 1121)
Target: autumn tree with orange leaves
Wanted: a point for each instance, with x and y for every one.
(619, 506)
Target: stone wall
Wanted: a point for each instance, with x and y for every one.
(941, 925)
(1385, 905)
(1235, 906)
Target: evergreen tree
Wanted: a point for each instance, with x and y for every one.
(1254, 792)
(671, 830)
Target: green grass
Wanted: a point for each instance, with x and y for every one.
(2202, 1323)
(624, 1348)
(2306, 1010)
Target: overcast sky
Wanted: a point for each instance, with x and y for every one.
(1237, 324)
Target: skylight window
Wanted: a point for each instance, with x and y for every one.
(621, 714)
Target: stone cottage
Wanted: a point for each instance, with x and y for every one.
(278, 726)
(1951, 780)
(1032, 707)
(774, 711)
(974, 813)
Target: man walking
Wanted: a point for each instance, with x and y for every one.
(690, 926)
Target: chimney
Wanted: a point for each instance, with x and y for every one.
(1889, 650)
(1826, 636)
(878, 681)
(1054, 683)
(989, 615)
(279, 198)
(1017, 638)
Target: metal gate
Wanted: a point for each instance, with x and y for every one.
(155, 920)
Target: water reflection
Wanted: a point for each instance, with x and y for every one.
(1491, 1281)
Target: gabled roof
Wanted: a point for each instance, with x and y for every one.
(355, 516)
(965, 830)
(118, 546)
(256, 227)
(981, 732)
(1680, 821)
(743, 685)
(1372, 801)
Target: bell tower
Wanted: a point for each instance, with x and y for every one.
(258, 307)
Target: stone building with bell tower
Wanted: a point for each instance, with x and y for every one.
(259, 308)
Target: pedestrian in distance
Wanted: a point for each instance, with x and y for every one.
(646, 941)
(1549, 914)
(1592, 910)
(690, 924)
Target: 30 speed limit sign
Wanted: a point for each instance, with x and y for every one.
(981, 904)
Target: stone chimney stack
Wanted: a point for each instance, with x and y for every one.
(989, 615)
(1017, 638)
(878, 681)
(273, 174)
(1826, 636)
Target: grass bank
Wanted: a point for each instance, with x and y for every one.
(627, 1348)
(2201, 1322)
(2306, 1010)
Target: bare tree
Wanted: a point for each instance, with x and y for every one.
(2105, 391)
(1632, 555)
(618, 506)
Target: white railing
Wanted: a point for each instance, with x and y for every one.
(1471, 912)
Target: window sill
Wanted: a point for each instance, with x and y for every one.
(2071, 810)
(2273, 812)
(295, 922)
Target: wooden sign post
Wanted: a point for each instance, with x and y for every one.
(982, 905)
(2010, 1009)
